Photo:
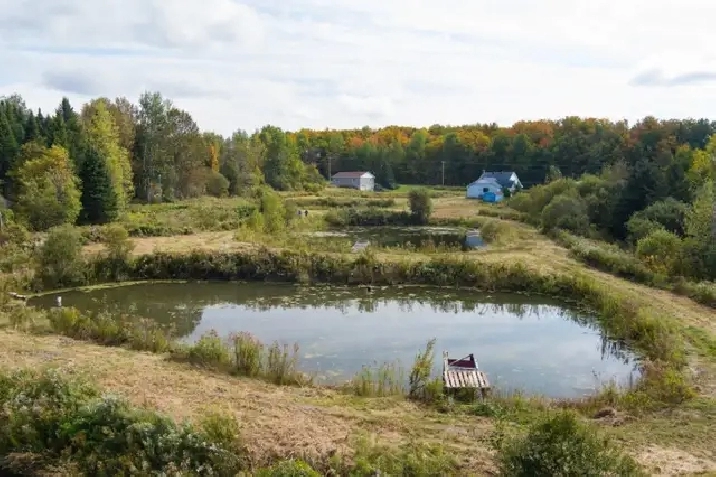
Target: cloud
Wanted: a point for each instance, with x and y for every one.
(73, 82)
(339, 63)
(656, 77)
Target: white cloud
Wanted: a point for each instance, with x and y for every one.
(341, 63)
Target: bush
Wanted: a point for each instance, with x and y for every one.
(496, 231)
(567, 213)
(537, 198)
(217, 185)
(60, 261)
(660, 250)
(669, 213)
(420, 206)
(47, 421)
(639, 227)
(561, 446)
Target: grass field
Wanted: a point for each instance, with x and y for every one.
(312, 422)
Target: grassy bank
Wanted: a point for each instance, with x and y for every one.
(657, 336)
(612, 259)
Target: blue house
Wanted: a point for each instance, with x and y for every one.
(507, 180)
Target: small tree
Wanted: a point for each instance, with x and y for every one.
(60, 261)
(48, 193)
(420, 206)
(217, 185)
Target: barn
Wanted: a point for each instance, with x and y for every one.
(354, 180)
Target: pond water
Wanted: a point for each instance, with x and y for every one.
(407, 236)
(521, 342)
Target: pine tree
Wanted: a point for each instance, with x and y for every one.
(32, 129)
(99, 198)
(8, 149)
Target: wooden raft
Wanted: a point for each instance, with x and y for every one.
(463, 374)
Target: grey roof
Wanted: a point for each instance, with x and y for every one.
(349, 175)
(486, 179)
(503, 177)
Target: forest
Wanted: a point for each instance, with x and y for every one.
(85, 165)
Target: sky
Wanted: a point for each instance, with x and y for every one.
(241, 64)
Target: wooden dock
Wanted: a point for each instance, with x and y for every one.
(463, 373)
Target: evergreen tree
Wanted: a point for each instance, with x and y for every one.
(99, 197)
(32, 129)
(8, 149)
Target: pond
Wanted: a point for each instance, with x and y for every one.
(450, 237)
(521, 342)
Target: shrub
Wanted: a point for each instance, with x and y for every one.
(669, 213)
(420, 206)
(117, 242)
(537, 198)
(660, 250)
(639, 227)
(495, 231)
(567, 213)
(217, 185)
(60, 261)
(51, 421)
(561, 446)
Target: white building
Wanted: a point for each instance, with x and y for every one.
(354, 180)
(477, 189)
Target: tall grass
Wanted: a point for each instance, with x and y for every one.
(244, 355)
(389, 379)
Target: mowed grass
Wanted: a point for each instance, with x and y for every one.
(313, 422)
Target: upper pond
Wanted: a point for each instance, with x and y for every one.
(521, 342)
(450, 237)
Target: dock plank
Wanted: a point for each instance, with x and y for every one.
(465, 378)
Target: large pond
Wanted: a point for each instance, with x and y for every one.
(521, 342)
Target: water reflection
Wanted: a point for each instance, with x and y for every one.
(521, 341)
(449, 237)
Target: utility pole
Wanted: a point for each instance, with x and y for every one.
(443, 162)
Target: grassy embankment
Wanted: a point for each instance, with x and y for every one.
(672, 331)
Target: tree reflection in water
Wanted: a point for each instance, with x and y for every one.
(180, 306)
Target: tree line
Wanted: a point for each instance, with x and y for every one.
(86, 165)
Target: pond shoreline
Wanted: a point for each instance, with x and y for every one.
(342, 329)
